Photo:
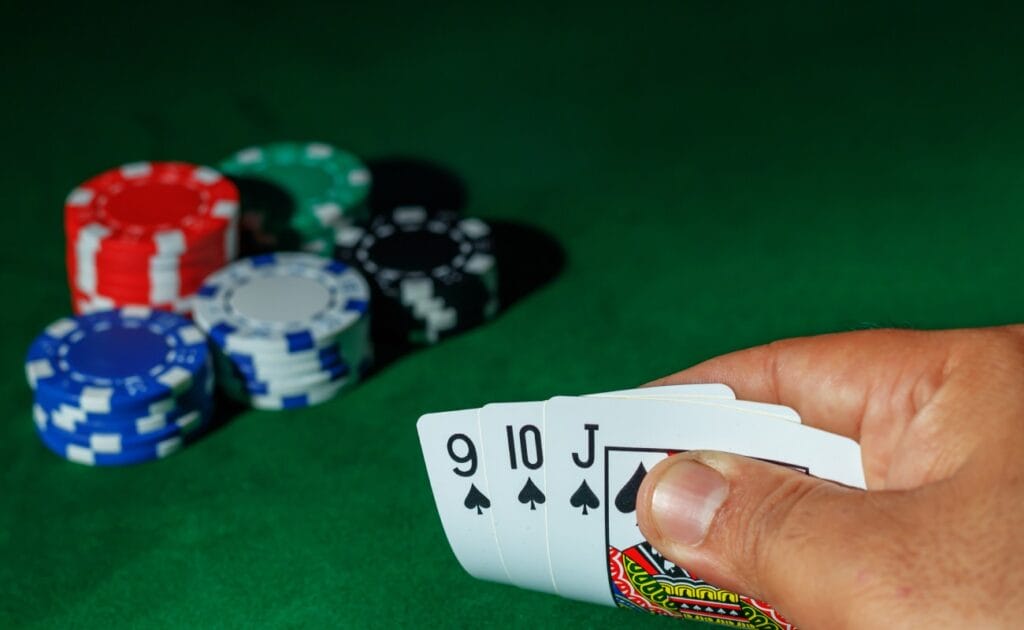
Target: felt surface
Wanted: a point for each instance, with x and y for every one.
(718, 176)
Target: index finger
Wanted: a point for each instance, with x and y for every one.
(837, 382)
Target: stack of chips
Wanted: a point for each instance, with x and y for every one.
(121, 386)
(148, 233)
(289, 329)
(295, 195)
(433, 274)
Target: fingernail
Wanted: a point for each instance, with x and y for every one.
(686, 499)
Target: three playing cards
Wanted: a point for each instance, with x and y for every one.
(542, 495)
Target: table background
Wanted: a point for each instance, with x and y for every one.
(717, 176)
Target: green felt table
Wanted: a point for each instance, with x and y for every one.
(717, 176)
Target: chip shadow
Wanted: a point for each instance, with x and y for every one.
(527, 257)
(266, 218)
(410, 181)
(225, 410)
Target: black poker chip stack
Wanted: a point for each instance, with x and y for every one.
(433, 274)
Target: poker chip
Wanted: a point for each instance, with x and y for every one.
(297, 383)
(80, 454)
(259, 368)
(289, 329)
(120, 386)
(314, 395)
(148, 233)
(433, 274)
(294, 194)
(112, 440)
(166, 412)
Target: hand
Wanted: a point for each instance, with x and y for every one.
(938, 538)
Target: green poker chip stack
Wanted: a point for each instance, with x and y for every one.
(295, 195)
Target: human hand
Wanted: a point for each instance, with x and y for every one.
(938, 538)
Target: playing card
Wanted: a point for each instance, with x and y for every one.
(765, 410)
(599, 451)
(512, 445)
(708, 390)
(711, 391)
(451, 450)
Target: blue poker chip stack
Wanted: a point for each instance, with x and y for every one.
(289, 329)
(120, 387)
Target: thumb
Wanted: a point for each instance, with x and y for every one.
(762, 530)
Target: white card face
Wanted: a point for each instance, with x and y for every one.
(767, 410)
(709, 390)
(600, 449)
(458, 479)
(511, 436)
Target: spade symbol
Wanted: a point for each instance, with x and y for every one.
(531, 494)
(625, 500)
(585, 498)
(475, 500)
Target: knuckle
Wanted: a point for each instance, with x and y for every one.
(1015, 331)
(996, 353)
(1001, 344)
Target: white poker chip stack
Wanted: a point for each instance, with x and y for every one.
(290, 329)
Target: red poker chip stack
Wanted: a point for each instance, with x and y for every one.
(148, 233)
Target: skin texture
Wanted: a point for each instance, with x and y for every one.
(938, 538)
